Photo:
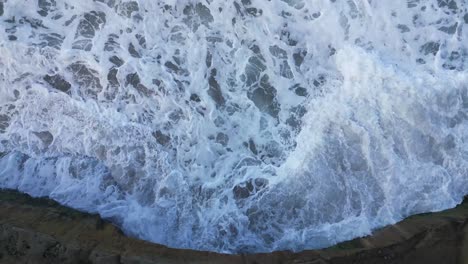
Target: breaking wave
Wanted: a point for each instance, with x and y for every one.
(237, 126)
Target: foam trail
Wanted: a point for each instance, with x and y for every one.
(246, 126)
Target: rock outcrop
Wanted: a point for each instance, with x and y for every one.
(38, 230)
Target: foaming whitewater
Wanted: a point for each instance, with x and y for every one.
(237, 126)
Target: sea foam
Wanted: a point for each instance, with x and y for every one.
(237, 126)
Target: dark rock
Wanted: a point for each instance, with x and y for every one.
(90, 23)
(222, 139)
(209, 59)
(299, 57)
(116, 61)
(412, 3)
(252, 147)
(195, 98)
(215, 90)
(204, 13)
(299, 90)
(11, 20)
(449, 4)
(141, 40)
(68, 22)
(285, 70)
(249, 188)
(173, 67)
(254, 69)
(243, 191)
(128, 8)
(86, 78)
(176, 115)
(133, 52)
(132, 79)
(294, 122)
(33, 22)
(96, 19)
(112, 77)
(239, 11)
(264, 97)
(111, 43)
(197, 15)
(403, 28)
(58, 82)
(161, 138)
(53, 252)
(286, 38)
(332, 50)
(430, 48)
(449, 29)
(278, 52)
(4, 122)
(45, 6)
(83, 44)
(254, 11)
(52, 40)
(45, 136)
(39, 229)
(87, 28)
(298, 4)
(143, 90)
(214, 39)
(320, 81)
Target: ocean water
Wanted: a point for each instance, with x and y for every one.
(237, 126)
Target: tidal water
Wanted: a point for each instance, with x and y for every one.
(237, 126)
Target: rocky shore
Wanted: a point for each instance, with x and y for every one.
(38, 230)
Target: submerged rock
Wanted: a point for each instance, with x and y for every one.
(45, 6)
(45, 136)
(4, 122)
(197, 15)
(86, 78)
(215, 90)
(90, 23)
(58, 82)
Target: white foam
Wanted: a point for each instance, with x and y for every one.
(232, 129)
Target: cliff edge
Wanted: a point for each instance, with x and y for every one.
(39, 230)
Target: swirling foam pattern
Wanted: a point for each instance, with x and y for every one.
(237, 126)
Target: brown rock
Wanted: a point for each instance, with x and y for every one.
(38, 230)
